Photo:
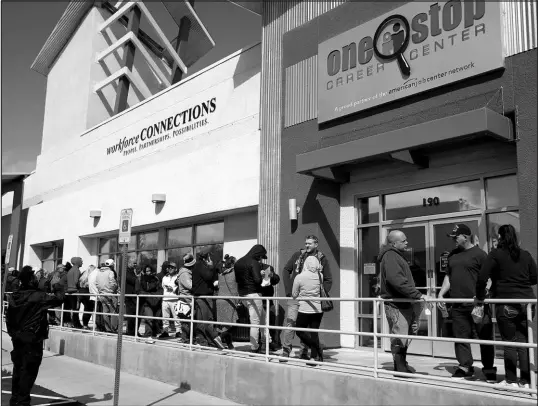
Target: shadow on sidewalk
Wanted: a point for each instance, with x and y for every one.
(184, 387)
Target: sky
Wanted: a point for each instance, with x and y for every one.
(25, 26)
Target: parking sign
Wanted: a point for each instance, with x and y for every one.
(126, 218)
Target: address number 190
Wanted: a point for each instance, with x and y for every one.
(430, 201)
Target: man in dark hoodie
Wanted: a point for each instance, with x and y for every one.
(249, 284)
(73, 275)
(26, 321)
(397, 283)
(204, 275)
(292, 268)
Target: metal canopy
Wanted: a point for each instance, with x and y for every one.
(482, 121)
(200, 41)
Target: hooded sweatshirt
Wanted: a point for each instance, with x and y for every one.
(307, 285)
(203, 277)
(248, 271)
(184, 281)
(396, 277)
(106, 280)
(73, 275)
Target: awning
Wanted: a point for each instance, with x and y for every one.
(476, 122)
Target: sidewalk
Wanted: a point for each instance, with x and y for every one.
(93, 384)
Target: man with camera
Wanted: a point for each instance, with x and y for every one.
(27, 325)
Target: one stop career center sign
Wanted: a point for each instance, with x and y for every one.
(414, 48)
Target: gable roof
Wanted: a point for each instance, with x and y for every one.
(61, 34)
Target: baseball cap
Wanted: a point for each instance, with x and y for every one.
(188, 260)
(109, 262)
(460, 229)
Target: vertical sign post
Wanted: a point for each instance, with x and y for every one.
(4, 282)
(126, 218)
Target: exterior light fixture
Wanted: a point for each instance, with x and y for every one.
(158, 198)
(95, 213)
(293, 209)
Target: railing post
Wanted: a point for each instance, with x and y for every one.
(267, 336)
(94, 314)
(62, 315)
(136, 318)
(530, 340)
(191, 332)
(375, 338)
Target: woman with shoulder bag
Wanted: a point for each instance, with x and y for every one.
(513, 273)
(308, 285)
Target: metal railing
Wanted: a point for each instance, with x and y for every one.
(375, 370)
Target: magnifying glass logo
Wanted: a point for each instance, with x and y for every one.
(391, 40)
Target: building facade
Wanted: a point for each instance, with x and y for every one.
(185, 158)
(368, 143)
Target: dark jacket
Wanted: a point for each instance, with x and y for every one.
(149, 285)
(510, 279)
(248, 271)
(396, 277)
(26, 315)
(203, 277)
(12, 283)
(291, 269)
(130, 281)
(73, 275)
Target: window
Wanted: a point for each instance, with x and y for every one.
(142, 250)
(502, 192)
(51, 255)
(203, 238)
(496, 220)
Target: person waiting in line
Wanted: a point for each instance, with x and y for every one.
(107, 285)
(397, 283)
(292, 268)
(270, 280)
(59, 276)
(227, 308)
(464, 264)
(26, 322)
(249, 285)
(184, 285)
(147, 287)
(307, 285)
(97, 306)
(204, 278)
(83, 288)
(169, 303)
(513, 273)
(73, 276)
(130, 301)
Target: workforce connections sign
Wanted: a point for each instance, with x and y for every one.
(414, 48)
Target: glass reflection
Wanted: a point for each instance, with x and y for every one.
(210, 233)
(502, 192)
(179, 237)
(496, 220)
(369, 209)
(436, 200)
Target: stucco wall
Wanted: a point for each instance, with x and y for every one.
(68, 88)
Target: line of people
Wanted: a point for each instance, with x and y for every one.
(512, 272)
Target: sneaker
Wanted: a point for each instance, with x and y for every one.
(304, 355)
(218, 343)
(164, 334)
(523, 384)
(178, 336)
(509, 385)
(461, 374)
(285, 354)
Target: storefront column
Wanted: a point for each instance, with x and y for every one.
(16, 222)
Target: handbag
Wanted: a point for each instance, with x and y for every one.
(326, 305)
(182, 309)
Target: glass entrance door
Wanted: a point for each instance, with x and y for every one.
(418, 258)
(440, 246)
(427, 251)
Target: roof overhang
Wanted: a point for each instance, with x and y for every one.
(483, 121)
(10, 181)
